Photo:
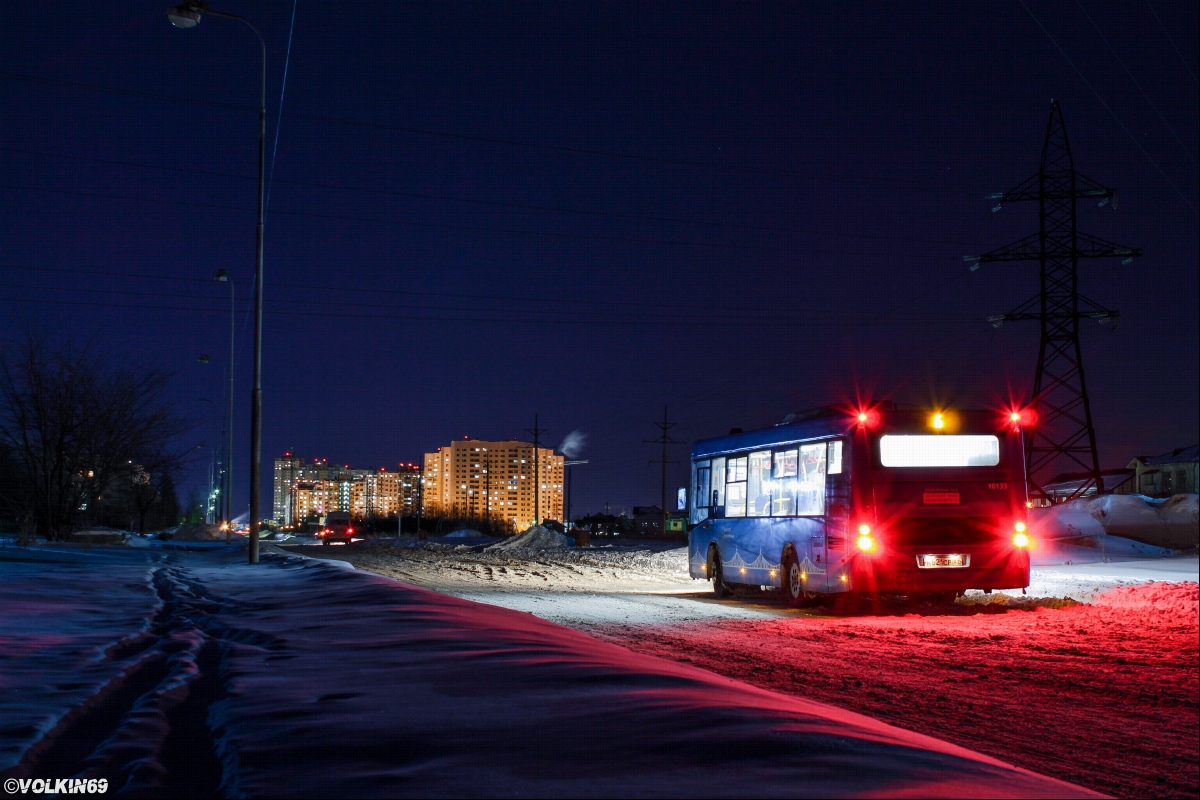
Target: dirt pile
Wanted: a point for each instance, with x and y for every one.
(536, 538)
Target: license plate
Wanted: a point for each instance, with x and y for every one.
(942, 497)
(948, 560)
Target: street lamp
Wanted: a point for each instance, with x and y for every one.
(214, 472)
(187, 15)
(224, 277)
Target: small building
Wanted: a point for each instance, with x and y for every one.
(1066, 484)
(1167, 474)
(647, 521)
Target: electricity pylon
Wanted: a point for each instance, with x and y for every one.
(1063, 416)
(664, 440)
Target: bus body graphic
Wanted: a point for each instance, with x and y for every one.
(831, 503)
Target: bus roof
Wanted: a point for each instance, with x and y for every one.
(833, 423)
(830, 421)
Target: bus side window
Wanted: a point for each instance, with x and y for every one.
(718, 487)
(811, 495)
(835, 457)
(783, 479)
(758, 485)
(735, 487)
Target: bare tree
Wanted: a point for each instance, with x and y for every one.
(76, 426)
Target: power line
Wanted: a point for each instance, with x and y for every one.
(282, 91)
(1108, 108)
(293, 308)
(427, 132)
(439, 225)
(1120, 61)
(451, 226)
(1170, 39)
(475, 201)
(692, 310)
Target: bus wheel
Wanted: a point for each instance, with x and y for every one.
(720, 587)
(793, 585)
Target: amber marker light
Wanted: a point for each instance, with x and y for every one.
(865, 542)
(938, 422)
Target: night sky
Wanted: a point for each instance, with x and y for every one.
(482, 211)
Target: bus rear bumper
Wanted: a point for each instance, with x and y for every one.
(899, 573)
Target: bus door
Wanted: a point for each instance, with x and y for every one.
(837, 503)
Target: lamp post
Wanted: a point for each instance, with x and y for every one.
(227, 488)
(214, 470)
(187, 15)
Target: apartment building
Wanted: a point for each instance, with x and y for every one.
(308, 490)
(496, 480)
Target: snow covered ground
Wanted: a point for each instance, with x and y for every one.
(586, 586)
(1104, 695)
(173, 673)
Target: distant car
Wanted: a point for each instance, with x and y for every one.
(337, 528)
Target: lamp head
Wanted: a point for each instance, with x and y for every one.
(204, 359)
(184, 16)
(221, 275)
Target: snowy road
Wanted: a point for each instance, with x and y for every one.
(193, 674)
(1102, 696)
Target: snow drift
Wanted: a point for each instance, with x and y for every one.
(1173, 523)
(334, 682)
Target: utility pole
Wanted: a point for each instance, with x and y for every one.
(536, 433)
(487, 489)
(664, 440)
(1062, 429)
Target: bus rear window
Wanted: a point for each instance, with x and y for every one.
(939, 451)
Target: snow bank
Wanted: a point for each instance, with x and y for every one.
(69, 617)
(433, 694)
(1173, 523)
(334, 682)
(1173, 604)
(536, 538)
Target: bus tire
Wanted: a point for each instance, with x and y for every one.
(793, 587)
(720, 587)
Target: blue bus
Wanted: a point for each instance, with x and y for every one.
(877, 500)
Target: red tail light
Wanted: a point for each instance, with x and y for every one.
(1021, 417)
(865, 417)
